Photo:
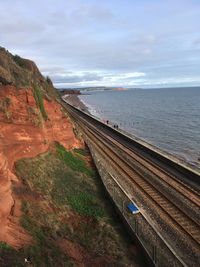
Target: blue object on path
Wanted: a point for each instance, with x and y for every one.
(133, 208)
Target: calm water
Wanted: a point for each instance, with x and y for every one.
(166, 118)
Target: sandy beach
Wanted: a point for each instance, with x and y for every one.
(75, 101)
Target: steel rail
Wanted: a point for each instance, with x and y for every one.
(143, 145)
(179, 186)
(196, 226)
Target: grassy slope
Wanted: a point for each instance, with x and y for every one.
(66, 201)
(39, 101)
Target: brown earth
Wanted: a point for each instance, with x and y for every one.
(81, 256)
(25, 134)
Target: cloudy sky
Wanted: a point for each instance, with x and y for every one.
(132, 43)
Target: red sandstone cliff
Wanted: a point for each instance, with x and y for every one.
(25, 132)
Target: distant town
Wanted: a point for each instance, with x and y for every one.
(78, 91)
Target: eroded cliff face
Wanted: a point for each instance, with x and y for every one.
(24, 132)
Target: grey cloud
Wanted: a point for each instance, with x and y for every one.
(70, 77)
(94, 12)
(51, 70)
(20, 26)
(66, 38)
(81, 79)
(197, 41)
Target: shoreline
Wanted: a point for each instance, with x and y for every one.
(76, 102)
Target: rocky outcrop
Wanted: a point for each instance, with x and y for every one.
(18, 71)
(21, 72)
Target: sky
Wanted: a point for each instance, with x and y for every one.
(129, 43)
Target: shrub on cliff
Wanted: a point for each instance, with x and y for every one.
(20, 61)
(4, 107)
(39, 101)
(21, 72)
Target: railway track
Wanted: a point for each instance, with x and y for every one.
(177, 216)
(158, 179)
(156, 170)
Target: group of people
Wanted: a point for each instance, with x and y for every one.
(115, 126)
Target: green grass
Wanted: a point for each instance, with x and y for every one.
(72, 161)
(86, 204)
(39, 101)
(65, 179)
(68, 185)
(5, 246)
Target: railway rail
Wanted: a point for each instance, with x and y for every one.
(168, 198)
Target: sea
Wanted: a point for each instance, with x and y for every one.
(168, 118)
